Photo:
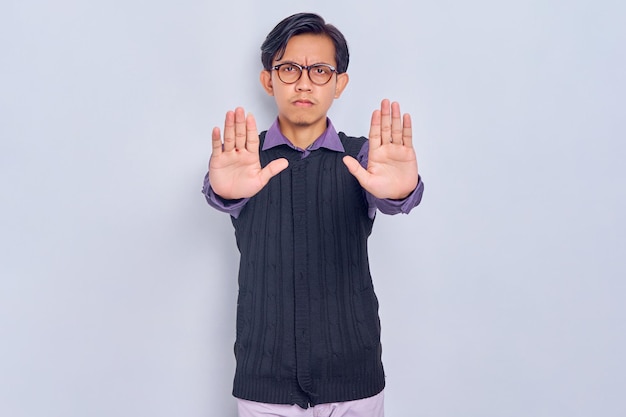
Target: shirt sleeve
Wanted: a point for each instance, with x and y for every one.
(232, 207)
(386, 205)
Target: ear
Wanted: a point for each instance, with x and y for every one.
(342, 82)
(266, 82)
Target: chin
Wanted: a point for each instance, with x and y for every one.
(305, 120)
(302, 123)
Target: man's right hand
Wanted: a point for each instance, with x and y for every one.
(235, 169)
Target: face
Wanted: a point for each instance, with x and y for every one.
(303, 105)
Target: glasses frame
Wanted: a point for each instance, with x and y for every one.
(308, 68)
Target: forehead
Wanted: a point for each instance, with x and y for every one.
(309, 49)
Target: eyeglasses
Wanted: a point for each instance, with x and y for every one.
(290, 72)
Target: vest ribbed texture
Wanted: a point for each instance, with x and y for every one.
(308, 330)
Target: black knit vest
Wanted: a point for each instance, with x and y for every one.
(308, 330)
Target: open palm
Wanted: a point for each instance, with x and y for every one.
(235, 169)
(392, 165)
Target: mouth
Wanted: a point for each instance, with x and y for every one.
(303, 103)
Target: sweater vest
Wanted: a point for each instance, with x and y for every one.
(308, 330)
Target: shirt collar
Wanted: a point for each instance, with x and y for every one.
(329, 139)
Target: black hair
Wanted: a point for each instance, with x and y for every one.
(298, 24)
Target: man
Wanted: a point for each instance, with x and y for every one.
(302, 199)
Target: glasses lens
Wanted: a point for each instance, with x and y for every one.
(320, 74)
(289, 73)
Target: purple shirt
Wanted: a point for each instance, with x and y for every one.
(329, 140)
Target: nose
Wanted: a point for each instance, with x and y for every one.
(304, 83)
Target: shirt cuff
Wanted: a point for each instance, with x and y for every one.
(232, 207)
(405, 205)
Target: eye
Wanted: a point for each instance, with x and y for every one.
(321, 70)
(289, 68)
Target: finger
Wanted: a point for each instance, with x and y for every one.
(385, 121)
(396, 124)
(252, 135)
(407, 131)
(216, 141)
(240, 128)
(229, 131)
(374, 135)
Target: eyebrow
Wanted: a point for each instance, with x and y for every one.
(302, 65)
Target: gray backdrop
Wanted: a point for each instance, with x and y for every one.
(501, 295)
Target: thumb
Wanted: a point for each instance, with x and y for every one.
(356, 169)
(273, 168)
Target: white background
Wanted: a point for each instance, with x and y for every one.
(501, 295)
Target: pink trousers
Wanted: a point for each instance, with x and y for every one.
(367, 407)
